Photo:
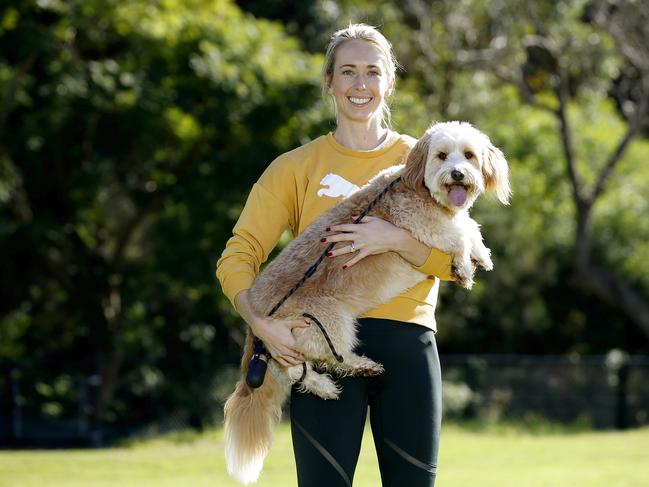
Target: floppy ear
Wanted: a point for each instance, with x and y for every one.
(496, 173)
(413, 176)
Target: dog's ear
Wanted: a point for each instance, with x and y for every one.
(413, 176)
(496, 173)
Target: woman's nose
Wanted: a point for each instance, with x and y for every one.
(360, 81)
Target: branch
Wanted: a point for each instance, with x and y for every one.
(621, 148)
(566, 139)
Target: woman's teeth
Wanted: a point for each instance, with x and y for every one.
(359, 101)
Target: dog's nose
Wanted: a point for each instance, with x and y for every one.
(457, 175)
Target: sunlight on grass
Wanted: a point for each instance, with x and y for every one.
(494, 457)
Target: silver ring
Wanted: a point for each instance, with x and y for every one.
(353, 246)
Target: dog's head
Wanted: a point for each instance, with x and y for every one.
(454, 163)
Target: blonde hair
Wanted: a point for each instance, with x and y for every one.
(366, 33)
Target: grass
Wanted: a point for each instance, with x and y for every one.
(489, 457)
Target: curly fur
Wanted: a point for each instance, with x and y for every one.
(423, 205)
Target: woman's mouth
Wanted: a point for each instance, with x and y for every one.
(359, 100)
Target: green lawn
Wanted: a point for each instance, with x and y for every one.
(501, 457)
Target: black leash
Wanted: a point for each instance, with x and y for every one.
(260, 357)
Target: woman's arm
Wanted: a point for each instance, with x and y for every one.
(374, 235)
(268, 211)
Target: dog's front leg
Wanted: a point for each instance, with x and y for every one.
(463, 267)
(480, 254)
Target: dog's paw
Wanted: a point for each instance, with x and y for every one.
(485, 264)
(462, 277)
(328, 390)
(370, 370)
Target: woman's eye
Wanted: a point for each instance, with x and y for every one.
(442, 156)
(468, 155)
(348, 72)
(374, 73)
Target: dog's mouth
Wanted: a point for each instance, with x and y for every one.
(457, 193)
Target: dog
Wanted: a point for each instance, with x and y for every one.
(445, 171)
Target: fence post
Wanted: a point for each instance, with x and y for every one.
(622, 396)
(15, 414)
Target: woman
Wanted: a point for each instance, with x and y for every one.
(405, 401)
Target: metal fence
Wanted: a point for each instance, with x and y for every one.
(608, 391)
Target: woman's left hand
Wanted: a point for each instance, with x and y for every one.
(372, 235)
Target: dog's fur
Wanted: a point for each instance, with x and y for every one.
(424, 205)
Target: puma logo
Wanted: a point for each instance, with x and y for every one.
(336, 186)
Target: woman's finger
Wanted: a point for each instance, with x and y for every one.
(365, 219)
(344, 227)
(291, 325)
(281, 361)
(359, 256)
(345, 250)
(338, 237)
(292, 360)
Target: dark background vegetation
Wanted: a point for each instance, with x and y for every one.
(131, 132)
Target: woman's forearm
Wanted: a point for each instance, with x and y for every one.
(244, 309)
(411, 249)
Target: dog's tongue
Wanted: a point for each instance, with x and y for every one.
(457, 194)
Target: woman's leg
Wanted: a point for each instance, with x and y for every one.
(405, 402)
(327, 435)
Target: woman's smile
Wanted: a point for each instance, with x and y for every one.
(359, 100)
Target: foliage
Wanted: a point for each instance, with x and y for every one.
(131, 131)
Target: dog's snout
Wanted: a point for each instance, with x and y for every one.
(457, 175)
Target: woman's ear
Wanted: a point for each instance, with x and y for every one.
(327, 83)
(413, 176)
(496, 173)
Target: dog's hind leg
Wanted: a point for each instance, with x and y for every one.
(321, 385)
(341, 343)
(358, 365)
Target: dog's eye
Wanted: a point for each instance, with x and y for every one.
(468, 155)
(442, 156)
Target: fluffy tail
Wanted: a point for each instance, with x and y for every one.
(250, 416)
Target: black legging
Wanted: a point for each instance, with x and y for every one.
(405, 413)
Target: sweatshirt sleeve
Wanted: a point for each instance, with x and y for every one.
(269, 210)
(437, 264)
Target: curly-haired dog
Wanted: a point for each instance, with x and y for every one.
(444, 173)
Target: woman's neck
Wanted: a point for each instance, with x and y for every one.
(360, 137)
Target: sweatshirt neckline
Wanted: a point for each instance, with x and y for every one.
(366, 154)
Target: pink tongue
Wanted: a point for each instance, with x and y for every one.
(457, 195)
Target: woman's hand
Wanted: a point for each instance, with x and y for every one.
(276, 334)
(373, 235)
(278, 337)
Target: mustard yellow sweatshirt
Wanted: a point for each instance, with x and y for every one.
(296, 189)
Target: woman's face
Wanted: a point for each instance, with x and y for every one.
(360, 81)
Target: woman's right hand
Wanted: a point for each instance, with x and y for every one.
(276, 334)
(278, 337)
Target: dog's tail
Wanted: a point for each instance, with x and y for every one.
(250, 416)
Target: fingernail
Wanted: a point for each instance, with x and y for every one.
(328, 229)
(344, 267)
(329, 254)
(323, 239)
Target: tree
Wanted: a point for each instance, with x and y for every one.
(128, 130)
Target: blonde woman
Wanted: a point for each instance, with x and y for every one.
(405, 401)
